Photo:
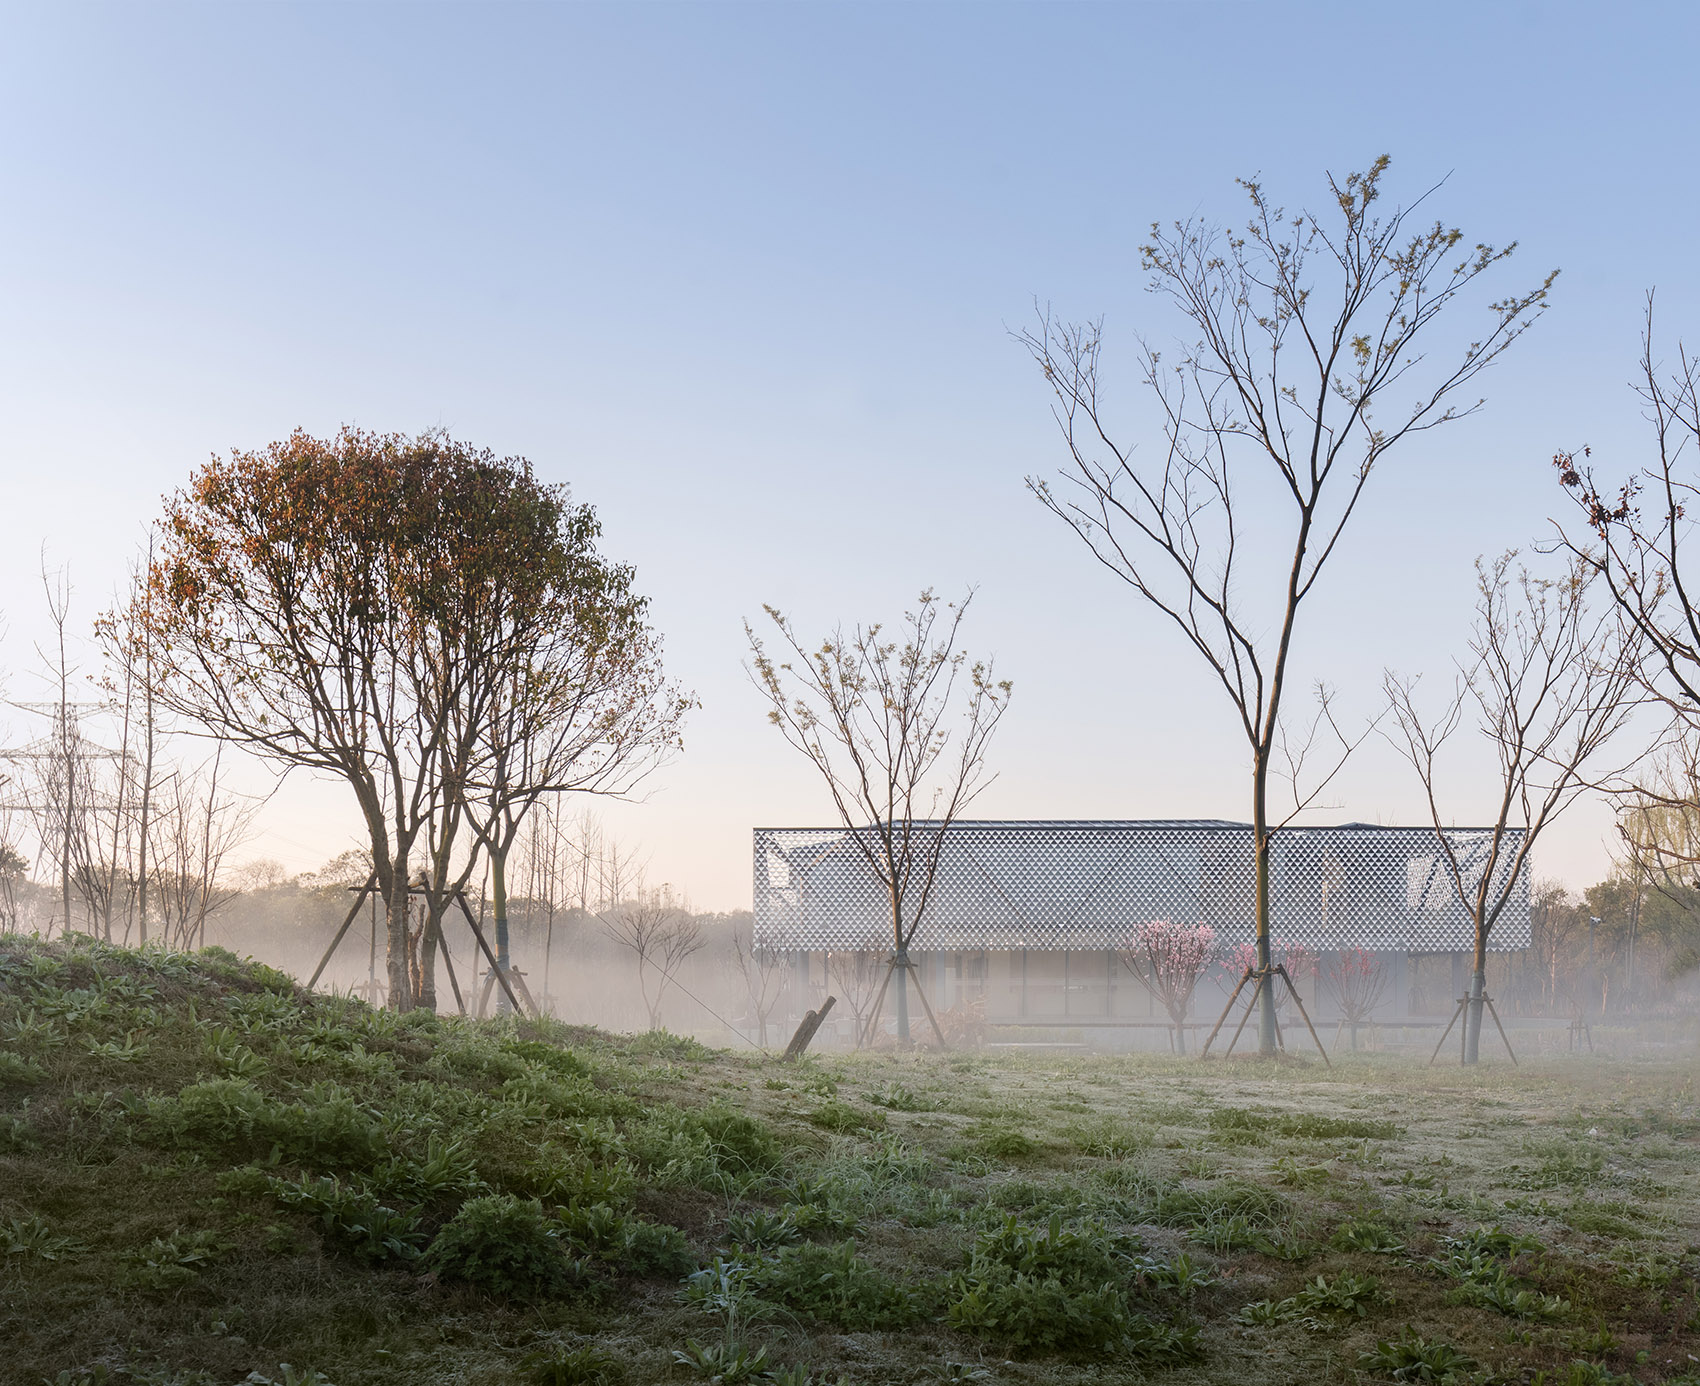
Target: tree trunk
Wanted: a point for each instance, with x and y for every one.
(401, 982)
(900, 966)
(1260, 838)
(1478, 989)
(427, 997)
(549, 956)
(147, 775)
(147, 805)
(499, 906)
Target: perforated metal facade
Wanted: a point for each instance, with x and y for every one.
(1087, 885)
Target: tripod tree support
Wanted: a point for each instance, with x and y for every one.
(496, 969)
(360, 894)
(879, 1002)
(518, 979)
(371, 886)
(1457, 1011)
(1259, 976)
(436, 926)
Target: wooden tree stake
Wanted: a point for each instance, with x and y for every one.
(806, 1032)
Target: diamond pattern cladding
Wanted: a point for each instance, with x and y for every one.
(1088, 885)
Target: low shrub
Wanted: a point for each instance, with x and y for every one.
(353, 1217)
(326, 1130)
(1058, 1289)
(18, 1072)
(836, 1115)
(665, 1045)
(1260, 1208)
(585, 1365)
(1501, 1294)
(1411, 1357)
(503, 1246)
(17, 1137)
(894, 1097)
(1007, 1144)
(1108, 1140)
(761, 1230)
(1088, 1252)
(834, 1285)
(31, 1237)
(626, 1243)
(740, 1142)
(169, 1263)
(1367, 1236)
(563, 1063)
(1031, 1314)
(821, 1220)
(447, 1169)
(1303, 1125)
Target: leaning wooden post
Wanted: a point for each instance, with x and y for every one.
(448, 964)
(1251, 1005)
(1506, 1039)
(484, 945)
(806, 1031)
(1447, 1031)
(359, 900)
(1225, 1010)
(943, 1043)
(866, 1038)
(1299, 1002)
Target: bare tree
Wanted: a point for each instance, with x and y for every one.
(856, 975)
(13, 866)
(545, 861)
(660, 932)
(1549, 685)
(1295, 387)
(763, 969)
(574, 700)
(875, 717)
(200, 825)
(1555, 921)
(128, 830)
(1638, 549)
(1357, 981)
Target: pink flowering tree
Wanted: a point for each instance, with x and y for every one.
(1168, 959)
(1357, 981)
(1300, 962)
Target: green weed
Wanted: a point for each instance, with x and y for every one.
(834, 1285)
(1411, 1357)
(502, 1245)
(169, 1263)
(585, 1365)
(31, 1237)
(353, 1217)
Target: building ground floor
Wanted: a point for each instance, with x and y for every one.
(1033, 993)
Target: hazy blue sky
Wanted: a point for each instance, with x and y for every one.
(744, 274)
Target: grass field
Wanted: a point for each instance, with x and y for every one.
(208, 1176)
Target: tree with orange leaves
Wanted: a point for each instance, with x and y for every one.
(344, 605)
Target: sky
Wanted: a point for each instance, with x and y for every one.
(745, 277)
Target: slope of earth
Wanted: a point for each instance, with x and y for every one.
(210, 1176)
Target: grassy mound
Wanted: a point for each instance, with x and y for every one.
(210, 1176)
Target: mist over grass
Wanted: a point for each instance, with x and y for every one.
(206, 1173)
